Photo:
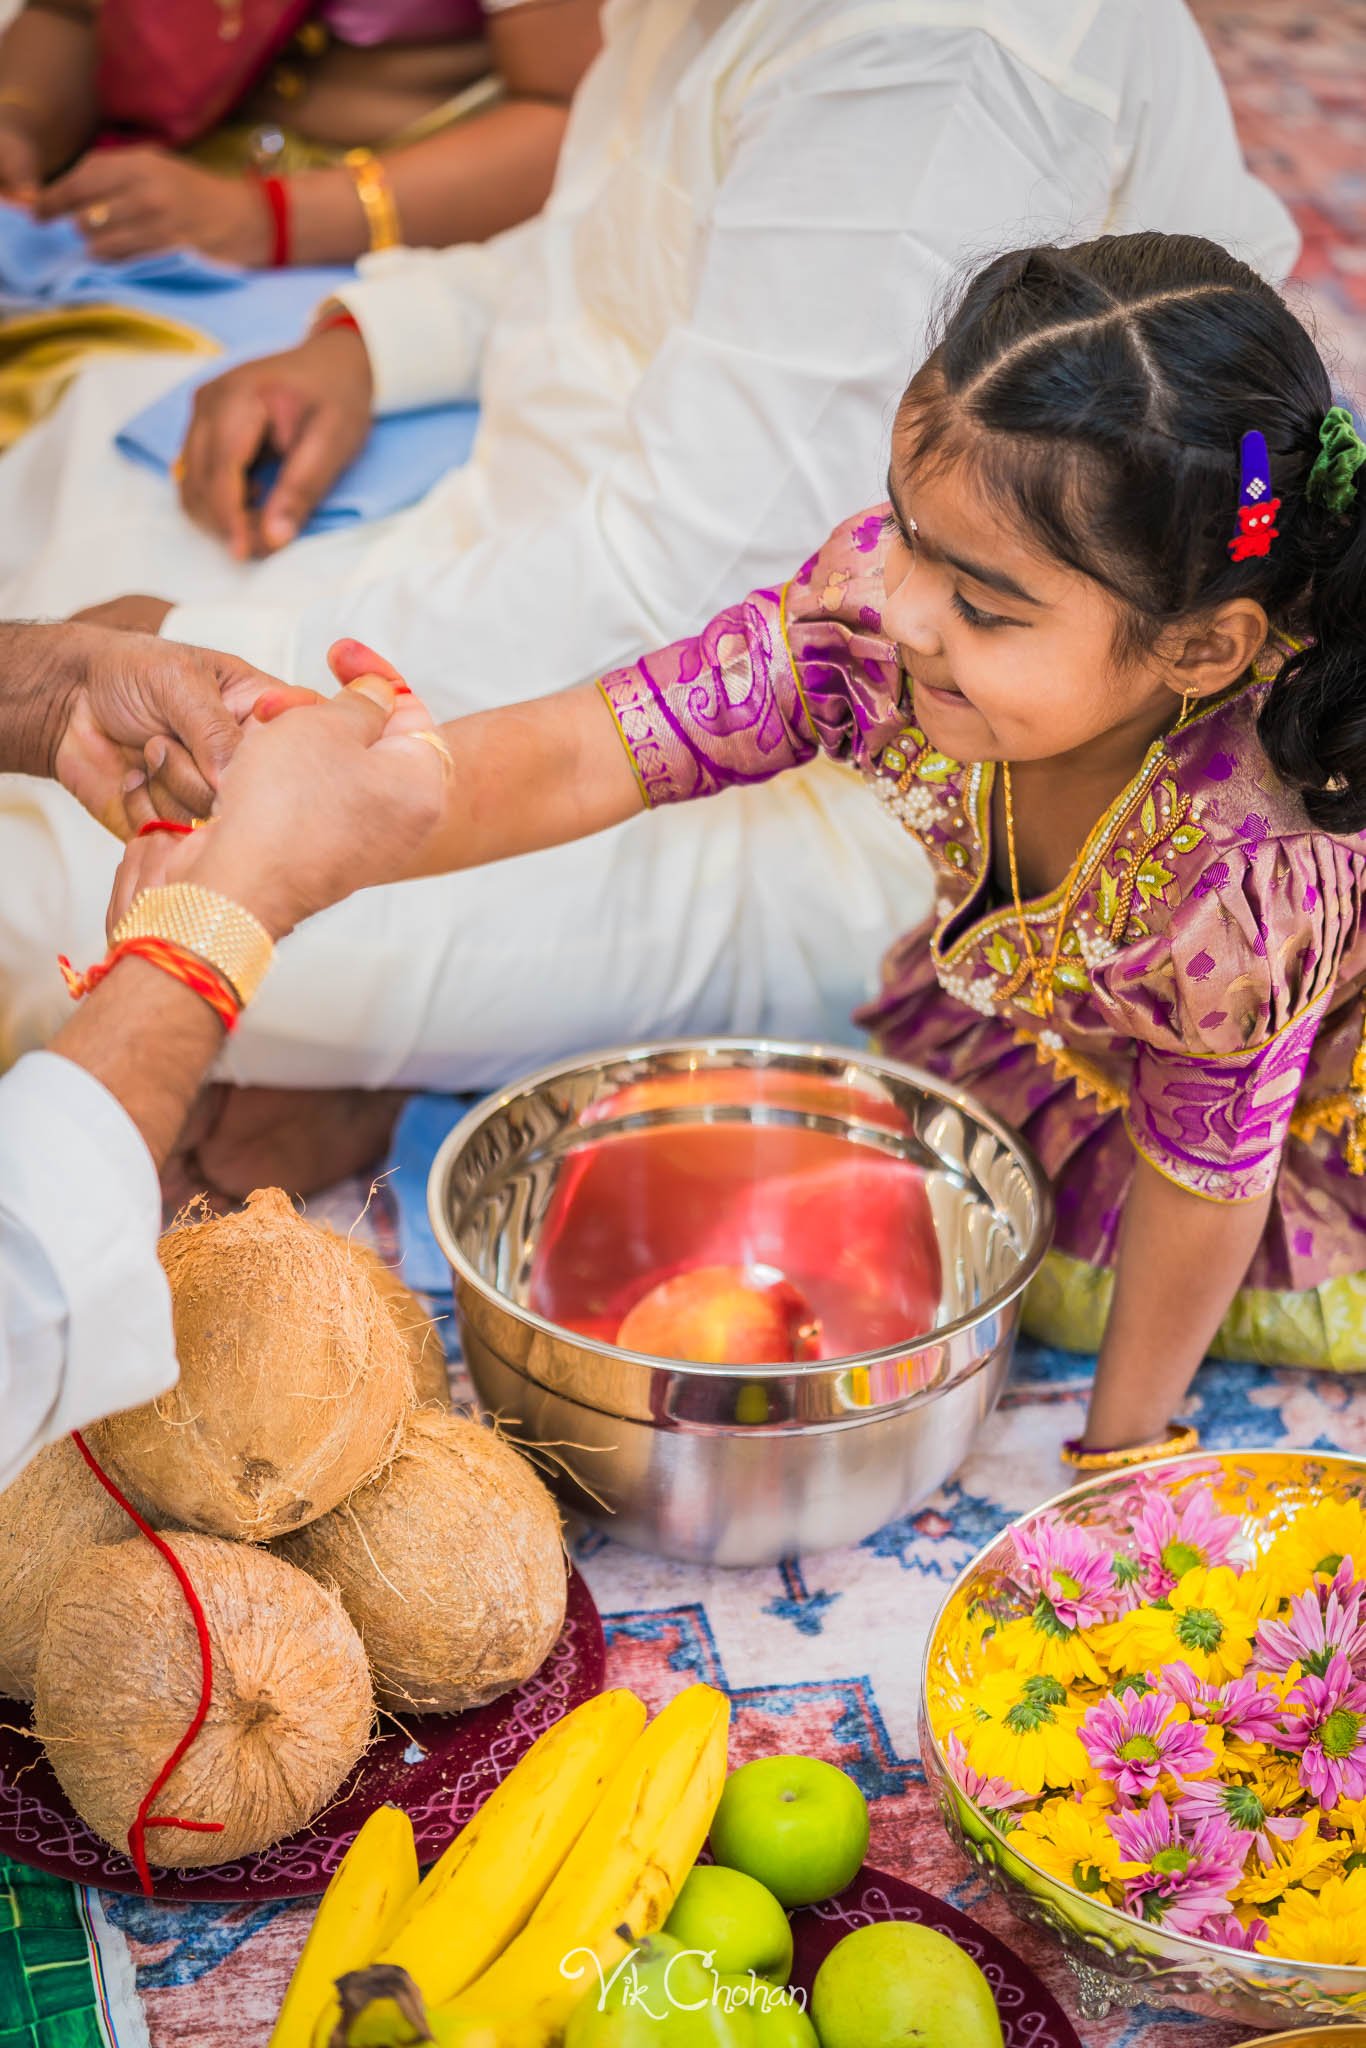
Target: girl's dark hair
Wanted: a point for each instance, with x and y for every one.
(1114, 381)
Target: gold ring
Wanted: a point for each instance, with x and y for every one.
(97, 216)
(178, 470)
(198, 824)
(434, 740)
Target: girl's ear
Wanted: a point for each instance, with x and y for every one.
(1201, 658)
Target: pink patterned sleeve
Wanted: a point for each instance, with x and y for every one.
(1226, 1003)
(769, 682)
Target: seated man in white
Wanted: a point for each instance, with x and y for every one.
(687, 366)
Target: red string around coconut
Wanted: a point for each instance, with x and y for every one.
(144, 1818)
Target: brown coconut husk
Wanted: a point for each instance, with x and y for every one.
(294, 1378)
(422, 1339)
(451, 1564)
(53, 1508)
(118, 1682)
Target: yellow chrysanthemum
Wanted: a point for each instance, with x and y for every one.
(1070, 1840)
(1022, 1727)
(1327, 1926)
(1308, 1861)
(1208, 1624)
(1031, 1644)
(1316, 1541)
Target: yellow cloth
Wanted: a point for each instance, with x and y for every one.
(1324, 1328)
(41, 352)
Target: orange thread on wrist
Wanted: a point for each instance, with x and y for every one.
(182, 966)
(144, 1817)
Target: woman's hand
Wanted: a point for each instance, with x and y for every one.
(309, 405)
(132, 202)
(20, 157)
(332, 796)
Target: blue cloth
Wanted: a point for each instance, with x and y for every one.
(45, 265)
(425, 1122)
(405, 455)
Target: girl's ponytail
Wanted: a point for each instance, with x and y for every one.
(1313, 724)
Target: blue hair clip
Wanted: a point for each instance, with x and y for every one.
(1257, 508)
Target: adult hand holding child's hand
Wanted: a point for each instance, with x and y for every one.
(322, 797)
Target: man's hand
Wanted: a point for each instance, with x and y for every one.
(310, 406)
(330, 797)
(129, 202)
(106, 698)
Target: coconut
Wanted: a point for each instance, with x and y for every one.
(118, 1682)
(426, 1353)
(294, 1378)
(451, 1564)
(54, 1507)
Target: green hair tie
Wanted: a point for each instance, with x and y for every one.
(1333, 479)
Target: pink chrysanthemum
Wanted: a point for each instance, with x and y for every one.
(1187, 1868)
(1242, 1807)
(996, 1794)
(1325, 1720)
(1066, 1567)
(1240, 1706)
(1228, 1930)
(1173, 1537)
(1322, 1624)
(1133, 1740)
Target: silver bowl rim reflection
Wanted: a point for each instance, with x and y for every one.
(1030, 1259)
(1161, 1943)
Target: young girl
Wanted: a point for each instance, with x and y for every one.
(1136, 757)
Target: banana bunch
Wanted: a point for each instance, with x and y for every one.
(579, 1852)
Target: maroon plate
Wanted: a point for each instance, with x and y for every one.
(438, 1769)
(1030, 2015)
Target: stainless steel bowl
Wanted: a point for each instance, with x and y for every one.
(715, 1464)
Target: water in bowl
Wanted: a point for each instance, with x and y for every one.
(846, 1226)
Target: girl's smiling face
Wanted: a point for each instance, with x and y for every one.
(1014, 656)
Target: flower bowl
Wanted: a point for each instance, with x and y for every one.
(1257, 1515)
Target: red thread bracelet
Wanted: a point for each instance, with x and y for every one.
(275, 193)
(184, 967)
(144, 1818)
(161, 825)
(342, 319)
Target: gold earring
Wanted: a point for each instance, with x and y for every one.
(1185, 710)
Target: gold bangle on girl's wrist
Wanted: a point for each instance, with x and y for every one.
(376, 196)
(1180, 1439)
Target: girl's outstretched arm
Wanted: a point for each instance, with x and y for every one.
(1181, 1260)
(528, 776)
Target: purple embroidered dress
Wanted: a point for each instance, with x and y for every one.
(1208, 982)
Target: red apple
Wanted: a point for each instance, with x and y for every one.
(722, 1315)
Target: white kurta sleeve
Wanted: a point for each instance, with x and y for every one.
(857, 176)
(85, 1312)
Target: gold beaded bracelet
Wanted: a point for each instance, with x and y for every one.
(1180, 1439)
(212, 927)
(376, 196)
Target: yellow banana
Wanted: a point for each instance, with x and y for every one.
(370, 1887)
(476, 1898)
(620, 1879)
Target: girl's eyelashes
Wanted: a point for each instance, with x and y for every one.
(970, 615)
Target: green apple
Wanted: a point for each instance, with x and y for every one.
(659, 1996)
(777, 2016)
(733, 1921)
(894, 1981)
(796, 1824)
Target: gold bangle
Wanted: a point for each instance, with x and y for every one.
(376, 196)
(218, 931)
(1180, 1439)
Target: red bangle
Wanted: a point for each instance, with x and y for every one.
(275, 193)
(342, 319)
(183, 966)
(161, 825)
